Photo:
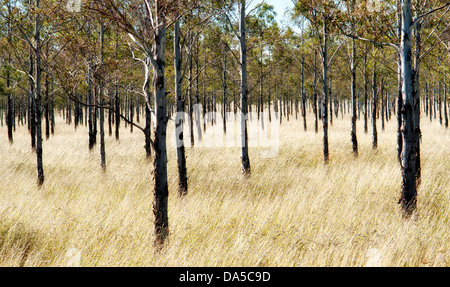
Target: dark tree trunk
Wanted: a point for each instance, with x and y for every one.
(353, 70)
(181, 156)
(409, 189)
(37, 100)
(445, 107)
(224, 89)
(32, 101)
(374, 109)
(161, 189)
(147, 132)
(325, 91)
(366, 92)
(47, 107)
(303, 97)
(316, 120)
(101, 102)
(400, 83)
(245, 159)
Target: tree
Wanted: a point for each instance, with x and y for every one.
(148, 34)
(181, 156)
(320, 15)
(245, 159)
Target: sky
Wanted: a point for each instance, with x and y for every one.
(280, 7)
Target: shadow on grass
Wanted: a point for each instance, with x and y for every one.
(16, 243)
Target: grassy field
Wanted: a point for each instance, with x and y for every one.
(293, 211)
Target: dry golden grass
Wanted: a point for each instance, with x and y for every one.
(293, 211)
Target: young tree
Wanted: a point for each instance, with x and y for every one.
(181, 156)
(146, 24)
(245, 159)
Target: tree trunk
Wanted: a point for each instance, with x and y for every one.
(374, 109)
(445, 107)
(400, 83)
(37, 98)
(147, 132)
(161, 189)
(408, 168)
(101, 102)
(303, 96)
(366, 92)
(10, 119)
(325, 91)
(316, 120)
(47, 105)
(181, 156)
(91, 108)
(190, 96)
(245, 159)
(32, 101)
(353, 133)
(224, 89)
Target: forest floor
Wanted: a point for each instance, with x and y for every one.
(292, 211)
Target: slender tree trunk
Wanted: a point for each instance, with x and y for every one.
(197, 92)
(325, 91)
(366, 92)
(224, 89)
(245, 159)
(32, 102)
(116, 94)
(101, 102)
(147, 131)
(10, 119)
(382, 107)
(47, 104)
(110, 115)
(374, 109)
(353, 133)
(316, 120)
(445, 107)
(190, 96)
(409, 153)
(305, 128)
(416, 101)
(330, 97)
(440, 103)
(91, 108)
(261, 88)
(181, 156)
(400, 83)
(37, 98)
(161, 190)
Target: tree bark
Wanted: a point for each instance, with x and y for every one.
(303, 96)
(224, 88)
(409, 153)
(366, 92)
(245, 159)
(101, 102)
(353, 132)
(374, 109)
(445, 107)
(161, 189)
(325, 91)
(37, 98)
(400, 83)
(181, 156)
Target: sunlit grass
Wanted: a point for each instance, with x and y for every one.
(292, 211)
